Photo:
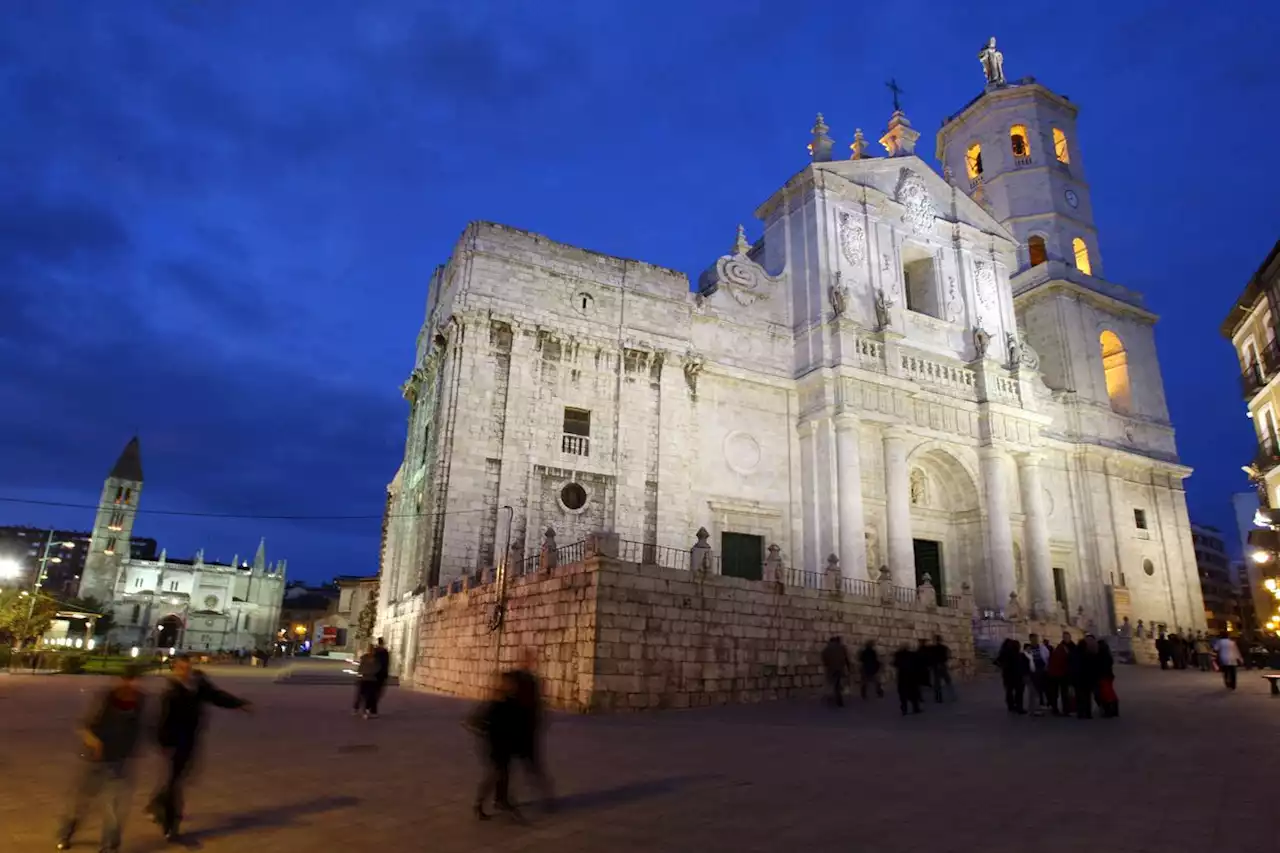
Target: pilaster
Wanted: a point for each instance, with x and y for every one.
(999, 533)
(853, 552)
(897, 487)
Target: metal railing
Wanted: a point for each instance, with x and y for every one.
(859, 587)
(648, 554)
(801, 578)
(1268, 455)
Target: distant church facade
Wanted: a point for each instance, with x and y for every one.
(166, 603)
(920, 371)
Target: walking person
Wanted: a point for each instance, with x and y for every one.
(368, 687)
(179, 727)
(110, 733)
(1014, 667)
(836, 665)
(869, 670)
(1164, 650)
(384, 666)
(939, 663)
(1085, 676)
(495, 722)
(906, 664)
(1203, 652)
(1229, 658)
(530, 726)
(1039, 658)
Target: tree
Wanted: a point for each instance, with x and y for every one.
(368, 618)
(105, 622)
(14, 608)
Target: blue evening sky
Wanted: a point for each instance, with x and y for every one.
(218, 219)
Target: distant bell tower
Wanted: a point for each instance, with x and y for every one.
(1013, 149)
(113, 525)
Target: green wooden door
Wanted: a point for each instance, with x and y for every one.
(742, 556)
(928, 555)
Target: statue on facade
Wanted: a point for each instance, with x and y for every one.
(1015, 349)
(1030, 358)
(992, 63)
(693, 365)
(882, 310)
(981, 340)
(838, 299)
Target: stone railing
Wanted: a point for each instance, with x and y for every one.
(949, 377)
(870, 354)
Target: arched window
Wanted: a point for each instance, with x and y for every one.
(1020, 142)
(1060, 146)
(1115, 366)
(973, 162)
(1082, 256)
(1036, 250)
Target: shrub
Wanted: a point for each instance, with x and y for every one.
(71, 664)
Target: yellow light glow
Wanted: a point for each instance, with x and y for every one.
(1115, 367)
(299, 629)
(1082, 256)
(1020, 141)
(1060, 146)
(1270, 583)
(133, 652)
(1260, 557)
(973, 161)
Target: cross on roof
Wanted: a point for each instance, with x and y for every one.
(897, 90)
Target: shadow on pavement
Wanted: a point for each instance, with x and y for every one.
(272, 816)
(623, 794)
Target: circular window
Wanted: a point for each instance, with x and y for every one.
(211, 601)
(1148, 567)
(573, 497)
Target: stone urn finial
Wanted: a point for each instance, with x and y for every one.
(702, 536)
(548, 554)
(773, 570)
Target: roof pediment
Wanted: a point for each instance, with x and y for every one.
(905, 185)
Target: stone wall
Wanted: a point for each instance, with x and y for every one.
(614, 635)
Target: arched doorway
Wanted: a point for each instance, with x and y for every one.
(946, 520)
(169, 632)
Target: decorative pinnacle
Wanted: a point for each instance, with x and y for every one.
(820, 147)
(859, 146)
(740, 245)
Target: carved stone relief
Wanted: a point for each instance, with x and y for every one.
(853, 238)
(913, 195)
(919, 488)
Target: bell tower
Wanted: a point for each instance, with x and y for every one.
(1014, 150)
(113, 525)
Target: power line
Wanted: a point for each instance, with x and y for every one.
(247, 516)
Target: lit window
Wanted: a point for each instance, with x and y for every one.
(1019, 142)
(1036, 251)
(119, 493)
(128, 493)
(1082, 256)
(1115, 366)
(1060, 146)
(111, 545)
(973, 161)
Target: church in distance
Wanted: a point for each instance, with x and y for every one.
(923, 371)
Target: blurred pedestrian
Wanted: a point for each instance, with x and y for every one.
(869, 670)
(909, 672)
(836, 665)
(384, 666)
(532, 720)
(1229, 658)
(939, 663)
(1014, 668)
(368, 688)
(110, 733)
(178, 731)
(496, 722)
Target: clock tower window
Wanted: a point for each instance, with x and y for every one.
(1060, 147)
(1036, 252)
(1018, 142)
(1081, 251)
(973, 164)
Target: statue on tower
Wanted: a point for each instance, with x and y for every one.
(992, 63)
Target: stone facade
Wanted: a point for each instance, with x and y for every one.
(887, 375)
(614, 635)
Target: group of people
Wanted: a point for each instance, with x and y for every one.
(1179, 652)
(509, 726)
(1069, 678)
(916, 669)
(112, 734)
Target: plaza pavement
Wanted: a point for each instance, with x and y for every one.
(1188, 767)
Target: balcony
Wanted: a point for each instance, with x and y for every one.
(1256, 376)
(1268, 455)
(575, 445)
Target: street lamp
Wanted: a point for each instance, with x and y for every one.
(45, 559)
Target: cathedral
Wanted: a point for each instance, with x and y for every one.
(920, 370)
(167, 603)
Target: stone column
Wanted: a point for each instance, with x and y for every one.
(853, 546)
(1004, 579)
(897, 496)
(1043, 600)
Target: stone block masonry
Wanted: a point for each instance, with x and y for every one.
(619, 636)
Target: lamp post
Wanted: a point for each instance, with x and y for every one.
(41, 574)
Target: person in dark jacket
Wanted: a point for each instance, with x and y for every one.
(1015, 667)
(110, 732)
(1058, 683)
(869, 669)
(1084, 675)
(368, 687)
(384, 665)
(497, 722)
(836, 665)
(909, 670)
(178, 732)
(939, 662)
(528, 747)
(1108, 701)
